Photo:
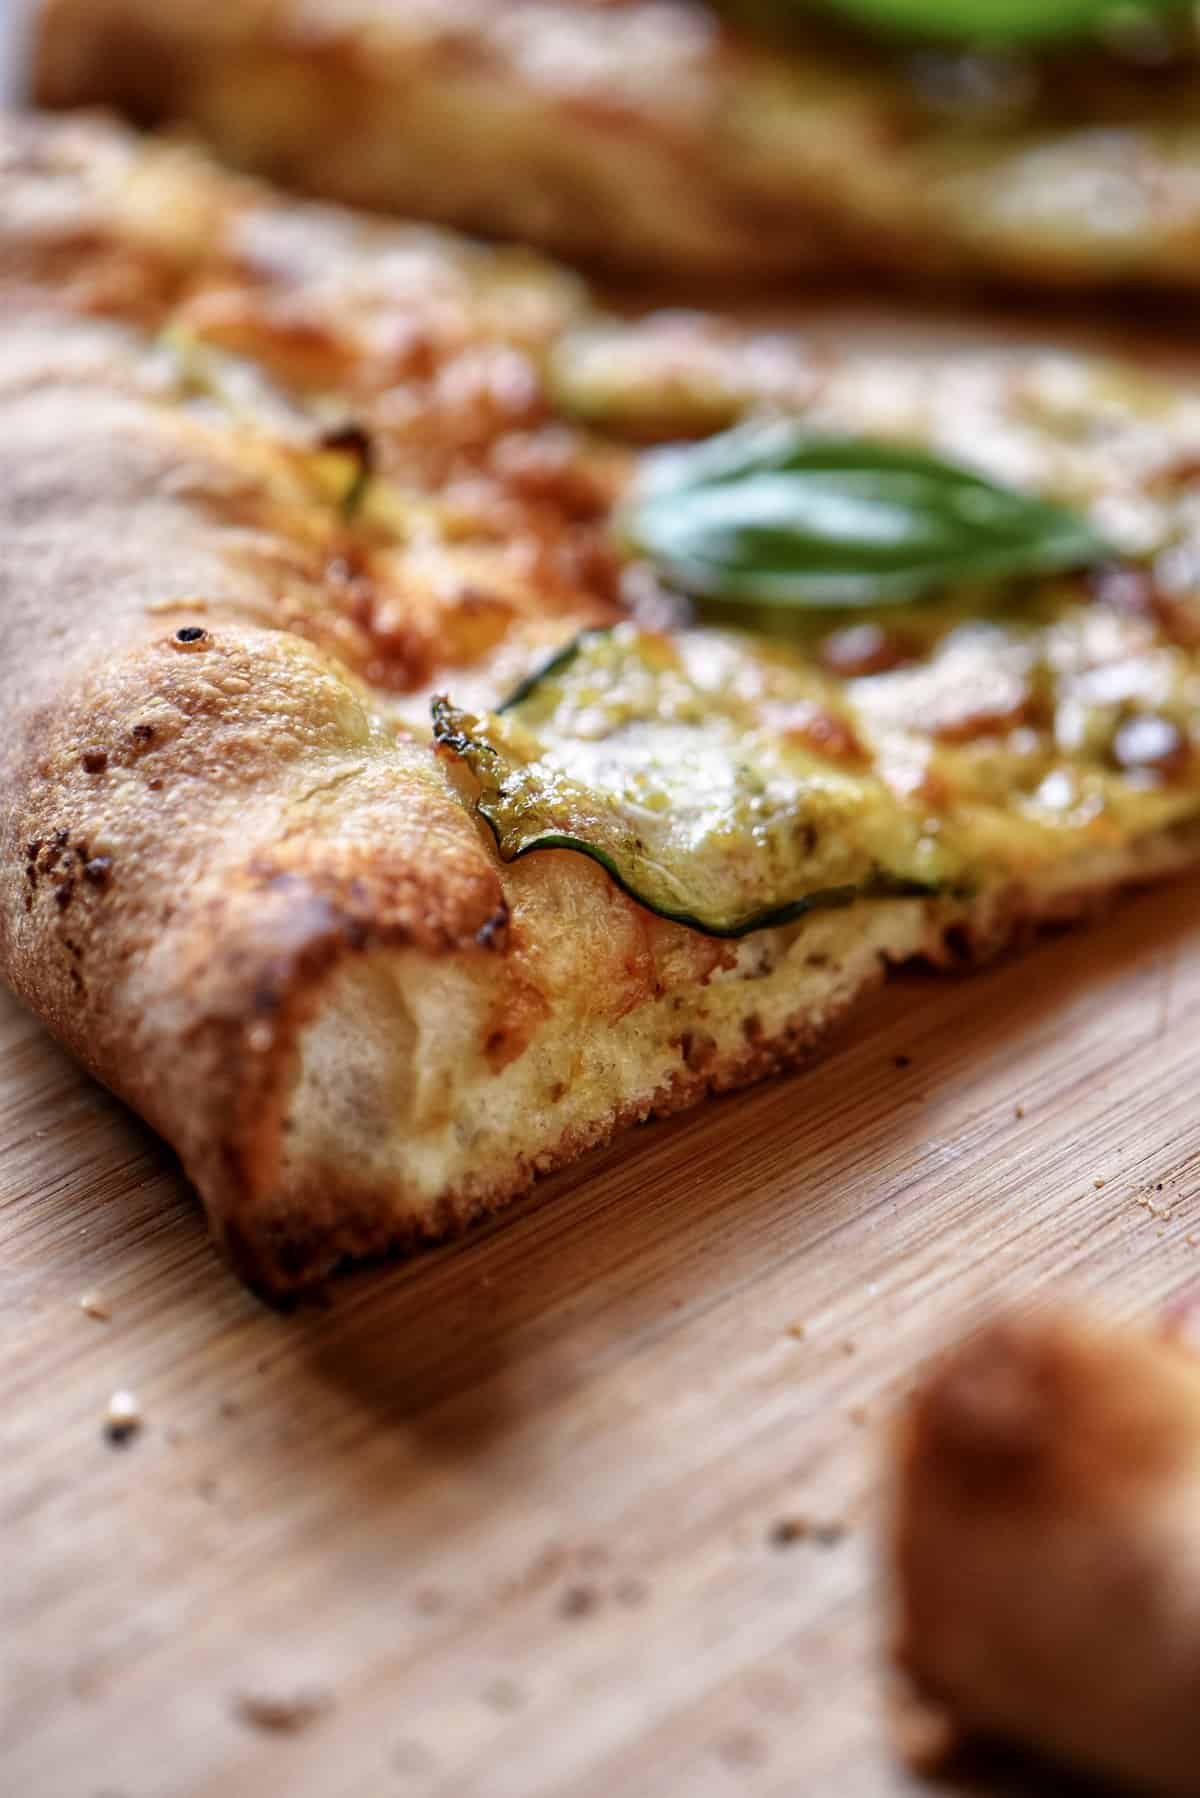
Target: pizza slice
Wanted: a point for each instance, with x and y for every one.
(688, 138)
(1047, 1547)
(381, 818)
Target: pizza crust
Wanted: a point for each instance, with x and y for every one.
(1046, 1546)
(654, 136)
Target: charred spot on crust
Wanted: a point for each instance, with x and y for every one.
(143, 733)
(191, 636)
(98, 871)
(95, 761)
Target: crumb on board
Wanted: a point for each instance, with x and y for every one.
(796, 1332)
(849, 1348)
(122, 1418)
(94, 1305)
(1018, 1111)
(282, 1713)
(578, 1601)
(1098, 1183)
(787, 1531)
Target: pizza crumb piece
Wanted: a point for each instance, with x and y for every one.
(796, 1332)
(122, 1418)
(94, 1305)
(1018, 1111)
(787, 1531)
(1098, 1184)
(281, 1713)
(578, 1601)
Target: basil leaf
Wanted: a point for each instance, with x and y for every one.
(770, 515)
(1009, 23)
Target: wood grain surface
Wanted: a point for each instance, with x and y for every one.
(503, 1520)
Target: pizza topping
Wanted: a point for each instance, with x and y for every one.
(353, 441)
(775, 517)
(675, 762)
(1151, 743)
(1006, 24)
(866, 649)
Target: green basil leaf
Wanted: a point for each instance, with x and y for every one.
(1008, 23)
(771, 515)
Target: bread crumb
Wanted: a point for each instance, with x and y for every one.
(1098, 1184)
(1018, 1111)
(282, 1713)
(796, 1332)
(578, 1601)
(789, 1530)
(122, 1418)
(94, 1305)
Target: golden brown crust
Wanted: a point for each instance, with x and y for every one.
(653, 134)
(1047, 1545)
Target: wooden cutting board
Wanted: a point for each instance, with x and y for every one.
(504, 1521)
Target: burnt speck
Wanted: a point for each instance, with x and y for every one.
(33, 849)
(901, 1061)
(790, 1530)
(95, 761)
(351, 437)
(143, 733)
(190, 635)
(98, 871)
(64, 894)
(283, 1713)
(578, 1601)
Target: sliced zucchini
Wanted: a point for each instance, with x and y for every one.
(722, 786)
